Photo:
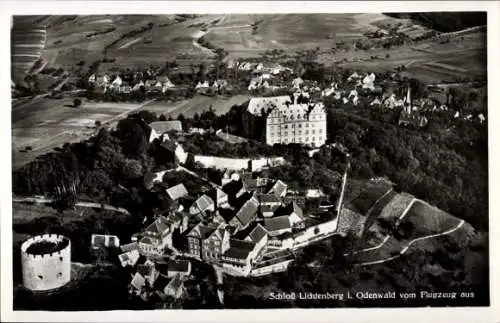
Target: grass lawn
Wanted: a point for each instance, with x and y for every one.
(427, 220)
(197, 104)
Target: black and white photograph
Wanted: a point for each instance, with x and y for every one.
(249, 160)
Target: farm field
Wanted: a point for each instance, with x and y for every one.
(430, 62)
(44, 124)
(135, 40)
(197, 104)
(26, 47)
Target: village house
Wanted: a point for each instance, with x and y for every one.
(162, 127)
(268, 199)
(129, 247)
(303, 123)
(353, 77)
(258, 236)
(129, 258)
(246, 214)
(195, 237)
(175, 287)
(149, 272)
(156, 237)
(137, 284)
(219, 197)
(175, 267)
(277, 225)
(268, 211)
(239, 254)
(215, 244)
(102, 241)
(297, 83)
(138, 86)
(177, 191)
(278, 189)
(117, 82)
(202, 205)
(294, 214)
(368, 81)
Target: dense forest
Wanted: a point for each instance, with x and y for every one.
(445, 21)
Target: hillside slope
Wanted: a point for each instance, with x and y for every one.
(445, 21)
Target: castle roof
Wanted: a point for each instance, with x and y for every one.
(256, 105)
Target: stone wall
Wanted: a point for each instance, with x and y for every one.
(46, 271)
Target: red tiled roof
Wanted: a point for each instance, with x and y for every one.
(180, 265)
(203, 203)
(159, 226)
(247, 211)
(129, 247)
(237, 253)
(277, 223)
(278, 188)
(268, 198)
(177, 191)
(175, 283)
(258, 233)
(138, 281)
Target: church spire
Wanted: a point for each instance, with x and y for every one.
(408, 100)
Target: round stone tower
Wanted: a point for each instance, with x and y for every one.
(46, 262)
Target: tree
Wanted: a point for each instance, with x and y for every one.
(77, 102)
(132, 169)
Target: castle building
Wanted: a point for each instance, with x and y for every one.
(46, 262)
(303, 123)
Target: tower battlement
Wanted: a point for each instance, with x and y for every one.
(46, 262)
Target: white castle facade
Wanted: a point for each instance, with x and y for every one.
(297, 123)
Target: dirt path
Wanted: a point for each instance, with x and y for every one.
(44, 200)
(130, 43)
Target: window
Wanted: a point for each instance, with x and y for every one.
(300, 125)
(40, 277)
(320, 138)
(307, 125)
(313, 131)
(300, 132)
(307, 132)
(286, 126)
(320, 130)
(286, 133)
(314, 139)
(59, 275)
(61, 258)
(307, 138)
